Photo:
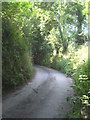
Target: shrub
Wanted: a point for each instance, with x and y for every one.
(16, 63)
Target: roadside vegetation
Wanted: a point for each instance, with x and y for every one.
(49, 34)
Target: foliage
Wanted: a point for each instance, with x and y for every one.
(17, 66)
(75, 64)
(47, 33)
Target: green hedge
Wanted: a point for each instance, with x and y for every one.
(16, 62)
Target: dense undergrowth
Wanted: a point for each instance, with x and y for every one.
(77, 68)
(17, 65)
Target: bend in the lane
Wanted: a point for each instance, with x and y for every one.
(48, 88)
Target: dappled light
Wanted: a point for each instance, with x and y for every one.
(48, 34)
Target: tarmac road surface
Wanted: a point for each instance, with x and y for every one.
(45, 96)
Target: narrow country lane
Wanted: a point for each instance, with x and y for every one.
(43, 97)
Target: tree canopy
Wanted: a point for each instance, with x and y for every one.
(53, 34)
